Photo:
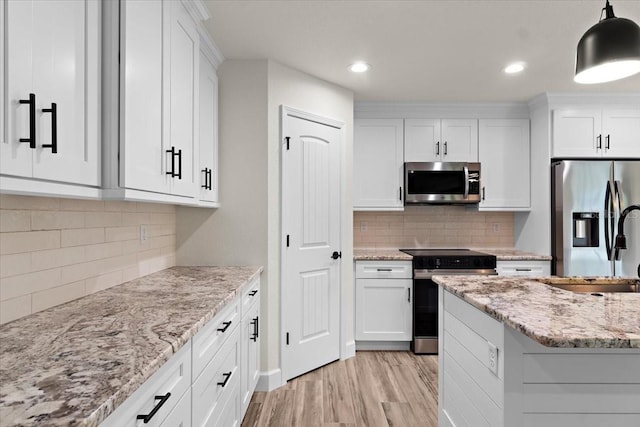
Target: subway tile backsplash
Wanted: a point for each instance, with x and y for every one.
(433, 226)
(56, 250)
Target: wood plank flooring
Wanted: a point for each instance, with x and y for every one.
(373, 389)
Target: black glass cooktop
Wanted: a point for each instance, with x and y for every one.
(450, 259)
(442, 252)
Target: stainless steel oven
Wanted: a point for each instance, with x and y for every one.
(441, 183)
(442, 262)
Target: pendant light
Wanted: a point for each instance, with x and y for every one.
(610, 50)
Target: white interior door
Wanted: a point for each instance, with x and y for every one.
(311, 233)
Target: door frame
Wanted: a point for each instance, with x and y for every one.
(287, 112)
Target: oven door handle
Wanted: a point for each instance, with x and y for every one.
(466, 182)
(428, 274)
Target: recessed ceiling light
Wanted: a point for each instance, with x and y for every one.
(359, 67)
(514, 68)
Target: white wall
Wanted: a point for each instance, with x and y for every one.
(246, 228)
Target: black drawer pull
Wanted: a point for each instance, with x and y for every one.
(255, 335)
(179, 164)
(206, 179)
(163, 399)
(32, 120)
(210, 180)
(54, 127)
(523, 269)
(252, 293)
(384, 269)
(175, 153)
(226, 326)
(226, 376)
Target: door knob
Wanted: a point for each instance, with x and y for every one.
(336, 255)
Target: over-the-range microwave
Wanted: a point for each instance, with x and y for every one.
(428, 183)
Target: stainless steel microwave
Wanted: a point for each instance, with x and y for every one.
(428, 183)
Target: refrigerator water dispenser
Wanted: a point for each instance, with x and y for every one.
(586, 230)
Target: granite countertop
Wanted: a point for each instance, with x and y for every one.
(75, 363)
(551, 316)
(363, 254)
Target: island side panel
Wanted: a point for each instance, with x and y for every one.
(567, 387)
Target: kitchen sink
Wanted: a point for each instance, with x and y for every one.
(596, 285)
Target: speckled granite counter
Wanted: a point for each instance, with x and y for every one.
(73, 364)
(551, 316)
(362, 254)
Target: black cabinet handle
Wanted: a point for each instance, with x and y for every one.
(252, 293)
(179, 175)
(173, 161)
(206, 179)
(32, 120)
(384, 269)
(226, 376)
(408, 294)
(599, 146)
(254, 322)
(438, 148)
(482, 193)
(523, 269)
(54, 127)
(210, 180)
(445, 148)
(226, 326)
(607, 138)
(163, 400)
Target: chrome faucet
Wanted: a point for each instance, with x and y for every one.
(621, 239)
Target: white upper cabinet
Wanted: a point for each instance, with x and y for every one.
(208, 132)
(596, 132)
(504, 154)
(51, 77)
(155, 81)
(378, 164)
(446, 140)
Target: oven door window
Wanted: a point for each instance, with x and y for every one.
(436, 182)
(425, 309)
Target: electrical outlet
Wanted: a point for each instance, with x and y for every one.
(493, 358)
(363, 226)
(495, 227)
(143, 233)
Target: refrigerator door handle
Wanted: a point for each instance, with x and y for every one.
(609, 219)
(617, 209)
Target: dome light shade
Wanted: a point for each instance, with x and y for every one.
(610, 50)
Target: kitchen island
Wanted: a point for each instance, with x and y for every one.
(518, 352)
(74, 364)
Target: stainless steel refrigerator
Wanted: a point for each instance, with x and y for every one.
(587, 199)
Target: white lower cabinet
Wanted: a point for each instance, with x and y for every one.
(218, 383)
(250, 353)
(384, 301)
(210, 380)
(158, 396)
(523, 268)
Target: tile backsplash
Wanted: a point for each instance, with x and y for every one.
(56, 250)
(433, 226)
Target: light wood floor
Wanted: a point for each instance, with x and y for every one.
(373, 389)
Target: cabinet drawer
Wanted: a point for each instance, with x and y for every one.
(523, 268)
(173, 377)
(219, 380)
(384, 270)
(250, 295)
(209, 339)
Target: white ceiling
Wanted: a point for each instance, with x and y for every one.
(425, 50)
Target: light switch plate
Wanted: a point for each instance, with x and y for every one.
(493, 358)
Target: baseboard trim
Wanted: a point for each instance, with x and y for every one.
(270, 380)
(383, 345)
(349, 350)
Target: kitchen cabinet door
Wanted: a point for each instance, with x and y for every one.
(577, 133)
(52, 61)
(250, 355)
(378, 164)
(208, 131)
(505, 162)
(422, 140)
(184, 101)
(459, 140)
(384, 300)
(144, 137)
(621, 132)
